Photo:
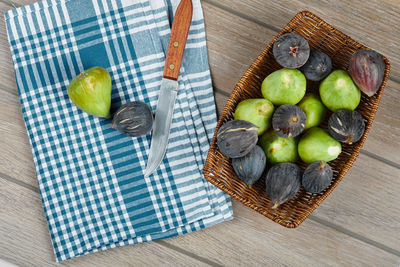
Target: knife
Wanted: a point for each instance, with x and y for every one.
(169, 85)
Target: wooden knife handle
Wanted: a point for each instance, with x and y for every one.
(177, 41)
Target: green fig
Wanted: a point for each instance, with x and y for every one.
(284, 86)
(338, 91)
(314, 109)
(316, 144)
(277, 148)
(256, 111)
(91, 92)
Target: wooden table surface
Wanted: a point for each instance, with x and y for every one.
(357, 225)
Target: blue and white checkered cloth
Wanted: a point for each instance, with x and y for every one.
(90, 176)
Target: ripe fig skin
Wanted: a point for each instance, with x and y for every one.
(316, 144)
(250, 167)
(291, 50)
(338, 91)
(315, 110)
(317, 177)
(284, 86)
(283, 181)
(133, 119)
(278, 149)
(317, 67)
(257, 111)
(91, 92)
(236, 138)
(289, 120)
(346, 126)
(367, 69)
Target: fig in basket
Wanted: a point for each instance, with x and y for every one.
(367, 69)
(314, 109)
(291, 50)
(316, 144)
(282, 183)
(250, 167)
(284, 86)
(317, 177)
(318, 66)
(133, 119)
(338, 91)
(257, 111)
(278, 148)
(91, 92)
(346, 126)
(289, 120)
(236, 138)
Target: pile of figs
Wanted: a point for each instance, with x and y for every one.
(270, 135)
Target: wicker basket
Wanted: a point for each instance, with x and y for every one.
(218, 169)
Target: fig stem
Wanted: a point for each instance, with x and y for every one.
(322, 164)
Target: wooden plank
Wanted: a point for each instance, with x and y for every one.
(375, 23)
(234, 43)
(16, 156)
(265, 243)
(25, 240)
(259, 241)
(366, 202)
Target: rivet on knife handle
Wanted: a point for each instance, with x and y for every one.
(177, 41)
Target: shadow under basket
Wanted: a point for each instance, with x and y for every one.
(218, 169)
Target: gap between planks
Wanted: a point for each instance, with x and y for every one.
(314, 218)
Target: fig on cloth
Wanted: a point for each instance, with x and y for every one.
(91, 92)
(133, 119)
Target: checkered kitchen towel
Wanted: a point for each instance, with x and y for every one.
(90, 177)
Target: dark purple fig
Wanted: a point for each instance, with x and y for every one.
(346, 126)
(133, 119)
(236, 138)
(250, 167)
(289, 120)
(318, 66)
(291, 50)
(317, 177)
(367, 69)
(282, 183)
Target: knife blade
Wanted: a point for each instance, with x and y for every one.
(169, 85)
